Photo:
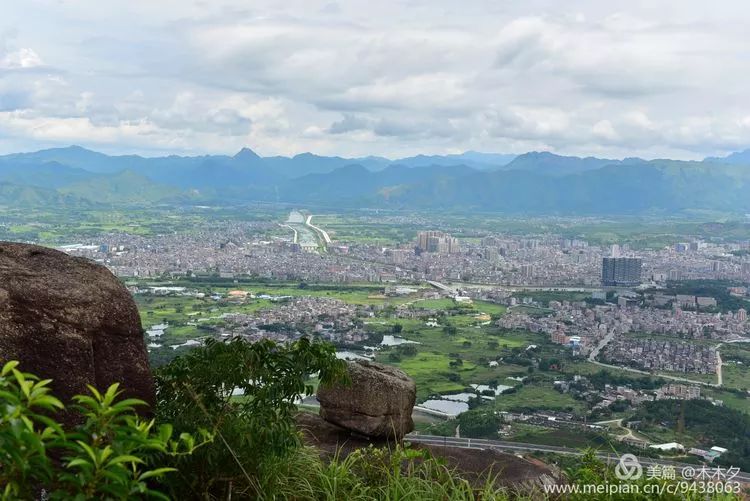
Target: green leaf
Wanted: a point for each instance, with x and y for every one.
(158, 472)
(8, 367)
(126, 458)
(79, 462)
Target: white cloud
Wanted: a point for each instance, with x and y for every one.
(20, 59)
(353, 78)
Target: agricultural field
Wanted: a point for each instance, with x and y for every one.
(450, 355)
(452, 344)
(456, 353)
(531, 397)
(64, 225)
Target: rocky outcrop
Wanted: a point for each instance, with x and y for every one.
(525, 476)
(70, 320)
(377, 403)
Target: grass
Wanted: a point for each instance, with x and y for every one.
(372, 474)
(694, 376)
(736, 376)
(538, 397)
(531, 310)
(490, 308)
(729, 399)
(736, 370)
(435, 304)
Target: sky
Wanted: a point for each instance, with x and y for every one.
(393, 78)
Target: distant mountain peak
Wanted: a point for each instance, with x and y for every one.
(246, 154)
(304, 155)
(73, 148)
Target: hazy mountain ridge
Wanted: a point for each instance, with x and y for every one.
(539, 182)
(736, 158)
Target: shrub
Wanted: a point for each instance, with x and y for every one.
(255, 429)
(113, 455)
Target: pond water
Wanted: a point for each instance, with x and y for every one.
(447, 407)
(350, 355)
(189, 342)
(498, 391)
(389, 340)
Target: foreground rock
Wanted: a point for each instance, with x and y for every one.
(378, 403)
(70, 320)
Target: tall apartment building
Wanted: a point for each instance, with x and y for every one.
(437, 241)
(625, 271)
(742, 315)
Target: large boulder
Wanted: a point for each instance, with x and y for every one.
(70, 320)
(377, 403)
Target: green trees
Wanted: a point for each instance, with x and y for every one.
(726, 427)
(480, 423)
(113, 455)
(407, 350)
(245, 393)
(450, 330)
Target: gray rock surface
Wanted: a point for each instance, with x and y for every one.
(72, 321)
(378, 403)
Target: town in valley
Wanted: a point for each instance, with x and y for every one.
(566, 335)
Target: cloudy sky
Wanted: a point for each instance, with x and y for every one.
(388, 77)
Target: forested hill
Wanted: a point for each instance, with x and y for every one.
(536, 182)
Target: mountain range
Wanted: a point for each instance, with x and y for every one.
(535, 182)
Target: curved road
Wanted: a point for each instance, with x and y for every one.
(296, 237)
(318, 230)
(629, 432)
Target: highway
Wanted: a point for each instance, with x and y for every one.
(320, 231)
(296, 236)
(515, 447)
